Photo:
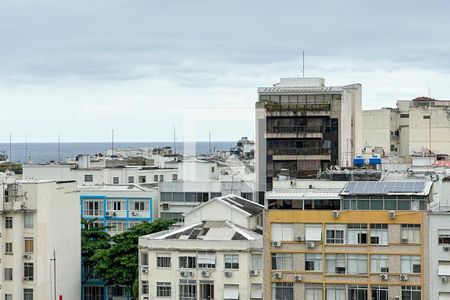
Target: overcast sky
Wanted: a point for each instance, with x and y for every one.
(79, 68)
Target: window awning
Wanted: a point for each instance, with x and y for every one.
(208, 258)
(231, 292)
(444, 296)
(256, 292)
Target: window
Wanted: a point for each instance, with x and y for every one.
(117, 205)
(8, 248)
(231, 292)
(411, 293)
(144, 259)
(313, 291)
(142, 179)
(27, 294)
(282, 291)
(357, 233)
(335, 234)
(313, 232)
(28, 271)
(88, 178)
(409, 264)
(282, 232)
(404, 115)
(443, 236)
(313, 262)
(8, 274)
(379, 263)
(379, 292)
(206, 260)
(155, 178)
(144, 287)
(188, 289)
(357, 292)
(161, 177)
(379, 234)
(28, 220)
(8, 297)
(410, 233)
(335, 263)
(94, 292)
(93, 207)
(282, 261)
(163, 261)
(137, 205)
(130, 179)
(174, 177)
(207, 290)
(256, 261)
(256, 291)
(114, 227)
(187, 262)
(163, 289)
(231, 261)
(29, 245)
(115, 180)
(444, 268)
(8, 222)
(335, 292)
(357, 264)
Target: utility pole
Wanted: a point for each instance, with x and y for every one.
(59, 149)
(54, 273)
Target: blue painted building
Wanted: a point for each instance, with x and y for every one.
(117, 207)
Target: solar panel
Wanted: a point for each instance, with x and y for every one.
(382, 187)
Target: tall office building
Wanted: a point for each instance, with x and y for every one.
(303, 126)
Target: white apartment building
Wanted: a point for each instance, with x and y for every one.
(213, 256)
(414, 126)
(40, 222)
(201, 180)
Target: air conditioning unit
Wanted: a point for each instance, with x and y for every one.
(108, 213)
(444, 279)
(340, 270)
(145, 298)
(298, 277)
(384, 276)
(133, 213)
(165, 206)
(403, 277)
(384, 270)
(335, 214)
(391, 214)
(27, 256)
(23, 206)
(276, 243)
(206, 273)
(446, 249)
(277, 275)
(310, 245)
(185, 274)
(254, 272)
(404, 239)
(114, 214)
(228, 274)
(145, 270)
(299, 238)
(397, 298)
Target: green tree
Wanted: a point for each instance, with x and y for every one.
(118, 265)
(93, 239)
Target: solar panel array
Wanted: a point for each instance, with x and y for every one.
(384, 187)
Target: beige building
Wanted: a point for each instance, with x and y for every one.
(217, 254)
(413, 127)
(40, 222)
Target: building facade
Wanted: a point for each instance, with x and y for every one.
(213, 256)
(303, 126)
(40, 228)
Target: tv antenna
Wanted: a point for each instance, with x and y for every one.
(303, 64)
(26, 149)
(59, 149)
(174, 141)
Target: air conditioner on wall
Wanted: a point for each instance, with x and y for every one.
(254, 272)
(277, 275)
(310, 245)
(384, 277)
(403, 277)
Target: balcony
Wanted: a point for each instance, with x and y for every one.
(289, 132)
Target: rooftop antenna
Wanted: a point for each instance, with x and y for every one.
(174, 141)
(10, 150)
(209, 142)
(303, 64)
(26, 149)
(59, 148)
(112, 146)
(429, 92)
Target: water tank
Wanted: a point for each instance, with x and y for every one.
(374, 160)
(358, 161)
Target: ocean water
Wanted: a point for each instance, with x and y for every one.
(45, 152)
